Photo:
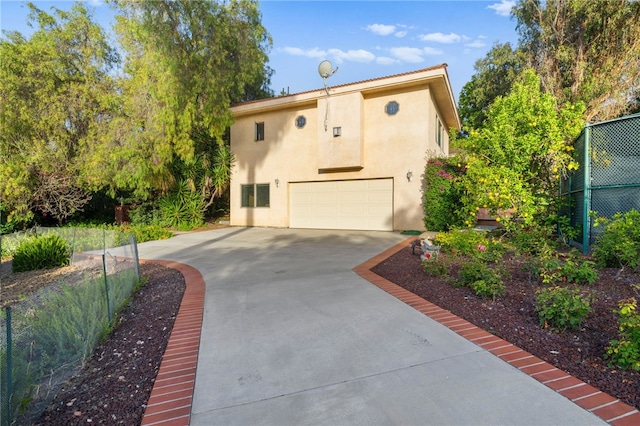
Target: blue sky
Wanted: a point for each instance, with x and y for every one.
(364, 39)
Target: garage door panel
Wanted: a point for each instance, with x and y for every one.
(356, 204)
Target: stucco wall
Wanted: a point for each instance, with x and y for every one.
(385, 147)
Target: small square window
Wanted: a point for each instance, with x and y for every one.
(259, 131)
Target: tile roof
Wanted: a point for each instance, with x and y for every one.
(432, 68)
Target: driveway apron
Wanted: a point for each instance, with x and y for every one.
(292, 336)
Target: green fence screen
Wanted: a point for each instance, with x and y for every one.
(608, 179)
(45, 337)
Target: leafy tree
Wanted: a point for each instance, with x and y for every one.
(187, 62)
(515, 159)
(57, 99)
(494, 76)
(584, 51)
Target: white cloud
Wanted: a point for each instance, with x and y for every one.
(441, 38)
(503, 8)
(408, 54)
(400, 34)
(432, 51)
(476, 44)
(359, 55)
(381, 29)
(385, 60)
(310, 53)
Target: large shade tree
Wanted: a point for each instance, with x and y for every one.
(586, 51)
(494, 75)
(583, 51)
(187, 62)
(57, 98)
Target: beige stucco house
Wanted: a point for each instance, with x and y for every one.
(350, 157)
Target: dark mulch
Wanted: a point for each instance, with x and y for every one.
(513, 318)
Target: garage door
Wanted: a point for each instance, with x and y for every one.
(347, 204)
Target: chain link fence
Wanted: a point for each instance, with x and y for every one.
(608, 179)
(46, 336)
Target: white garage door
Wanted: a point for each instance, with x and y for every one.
(346, 204)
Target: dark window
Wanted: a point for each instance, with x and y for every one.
(255, 195)
(301, 121)
(392, 108)
(262, 195)
(259, 131)
(439, 132)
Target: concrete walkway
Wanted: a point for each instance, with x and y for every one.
(292, 336)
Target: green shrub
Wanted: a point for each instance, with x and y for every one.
(625, 352)
(182, 210)
(489, 288)
(577, 270)
(619, 245)
(484, 281)
(574, 269)
(147, 232)
(144, 214)
(561, 307)
(41, 252)
(471, 243)
(464, 242)
(442, 196)
(533, 240)
(435, 268)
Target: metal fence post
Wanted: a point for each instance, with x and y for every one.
(586, 228)
(134, 240)
(106, 286)
(9, 364)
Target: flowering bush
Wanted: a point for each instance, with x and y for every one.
(441, 200)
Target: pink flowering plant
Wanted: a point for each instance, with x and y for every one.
(442, 197)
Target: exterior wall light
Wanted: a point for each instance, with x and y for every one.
(337, 131)
(409, 175)
(277, 181)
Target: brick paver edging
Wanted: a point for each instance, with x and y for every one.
(172, 393)
(608, 408)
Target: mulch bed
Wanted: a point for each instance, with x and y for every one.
(512, 317)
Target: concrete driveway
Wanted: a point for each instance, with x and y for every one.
(292, 336)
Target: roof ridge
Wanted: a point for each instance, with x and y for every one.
(434, 67)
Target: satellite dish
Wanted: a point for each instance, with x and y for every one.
(325, 69)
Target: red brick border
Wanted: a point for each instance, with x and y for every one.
(608, 408)
(172, 393)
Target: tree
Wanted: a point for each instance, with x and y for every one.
(584, 51)
(187, 62)
(514, 161)
(57, 98)
(494, 76)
